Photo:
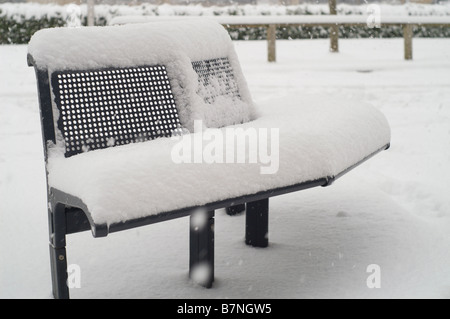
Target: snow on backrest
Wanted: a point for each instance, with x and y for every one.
(200, 63)
(216, 78)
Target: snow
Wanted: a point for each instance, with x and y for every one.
(392, 211)
(293, 19)
(201, 273)
(318, 138)
(125, 46)
(172, 44)
(28, 10)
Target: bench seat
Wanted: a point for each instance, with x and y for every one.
(319, 138)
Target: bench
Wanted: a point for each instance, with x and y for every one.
(123, 109)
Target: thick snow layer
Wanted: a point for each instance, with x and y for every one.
(393, 211)
(295, 19)
(175, 45)
(130, 45)
(317, 138)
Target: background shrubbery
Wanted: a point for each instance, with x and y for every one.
(18, 22)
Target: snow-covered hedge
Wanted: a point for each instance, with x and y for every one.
(19, 21)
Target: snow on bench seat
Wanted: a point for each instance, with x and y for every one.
(318, 138)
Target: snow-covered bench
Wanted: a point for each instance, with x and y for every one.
(103, 89)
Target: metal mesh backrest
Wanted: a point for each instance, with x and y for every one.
(216, 78)
(109, 107)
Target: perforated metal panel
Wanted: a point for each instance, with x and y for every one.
(216, 78)
(109, 107)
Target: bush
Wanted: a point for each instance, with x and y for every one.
(17, 28)
(14, 32)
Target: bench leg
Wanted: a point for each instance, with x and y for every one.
(235, 209)
(257, 223)
(58, 263)
(201, 255)
(58, 256)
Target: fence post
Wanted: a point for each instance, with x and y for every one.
(90, 13)
(334, 30)
(271, 45)
(407, 37)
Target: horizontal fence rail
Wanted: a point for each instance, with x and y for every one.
(280, 21)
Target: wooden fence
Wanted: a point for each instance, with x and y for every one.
(331, 21)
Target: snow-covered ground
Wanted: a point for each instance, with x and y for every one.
(393, 211)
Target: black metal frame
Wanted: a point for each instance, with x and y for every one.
(68, 214)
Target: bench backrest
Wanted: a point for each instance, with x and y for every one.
(109, 107)
(108, 86)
